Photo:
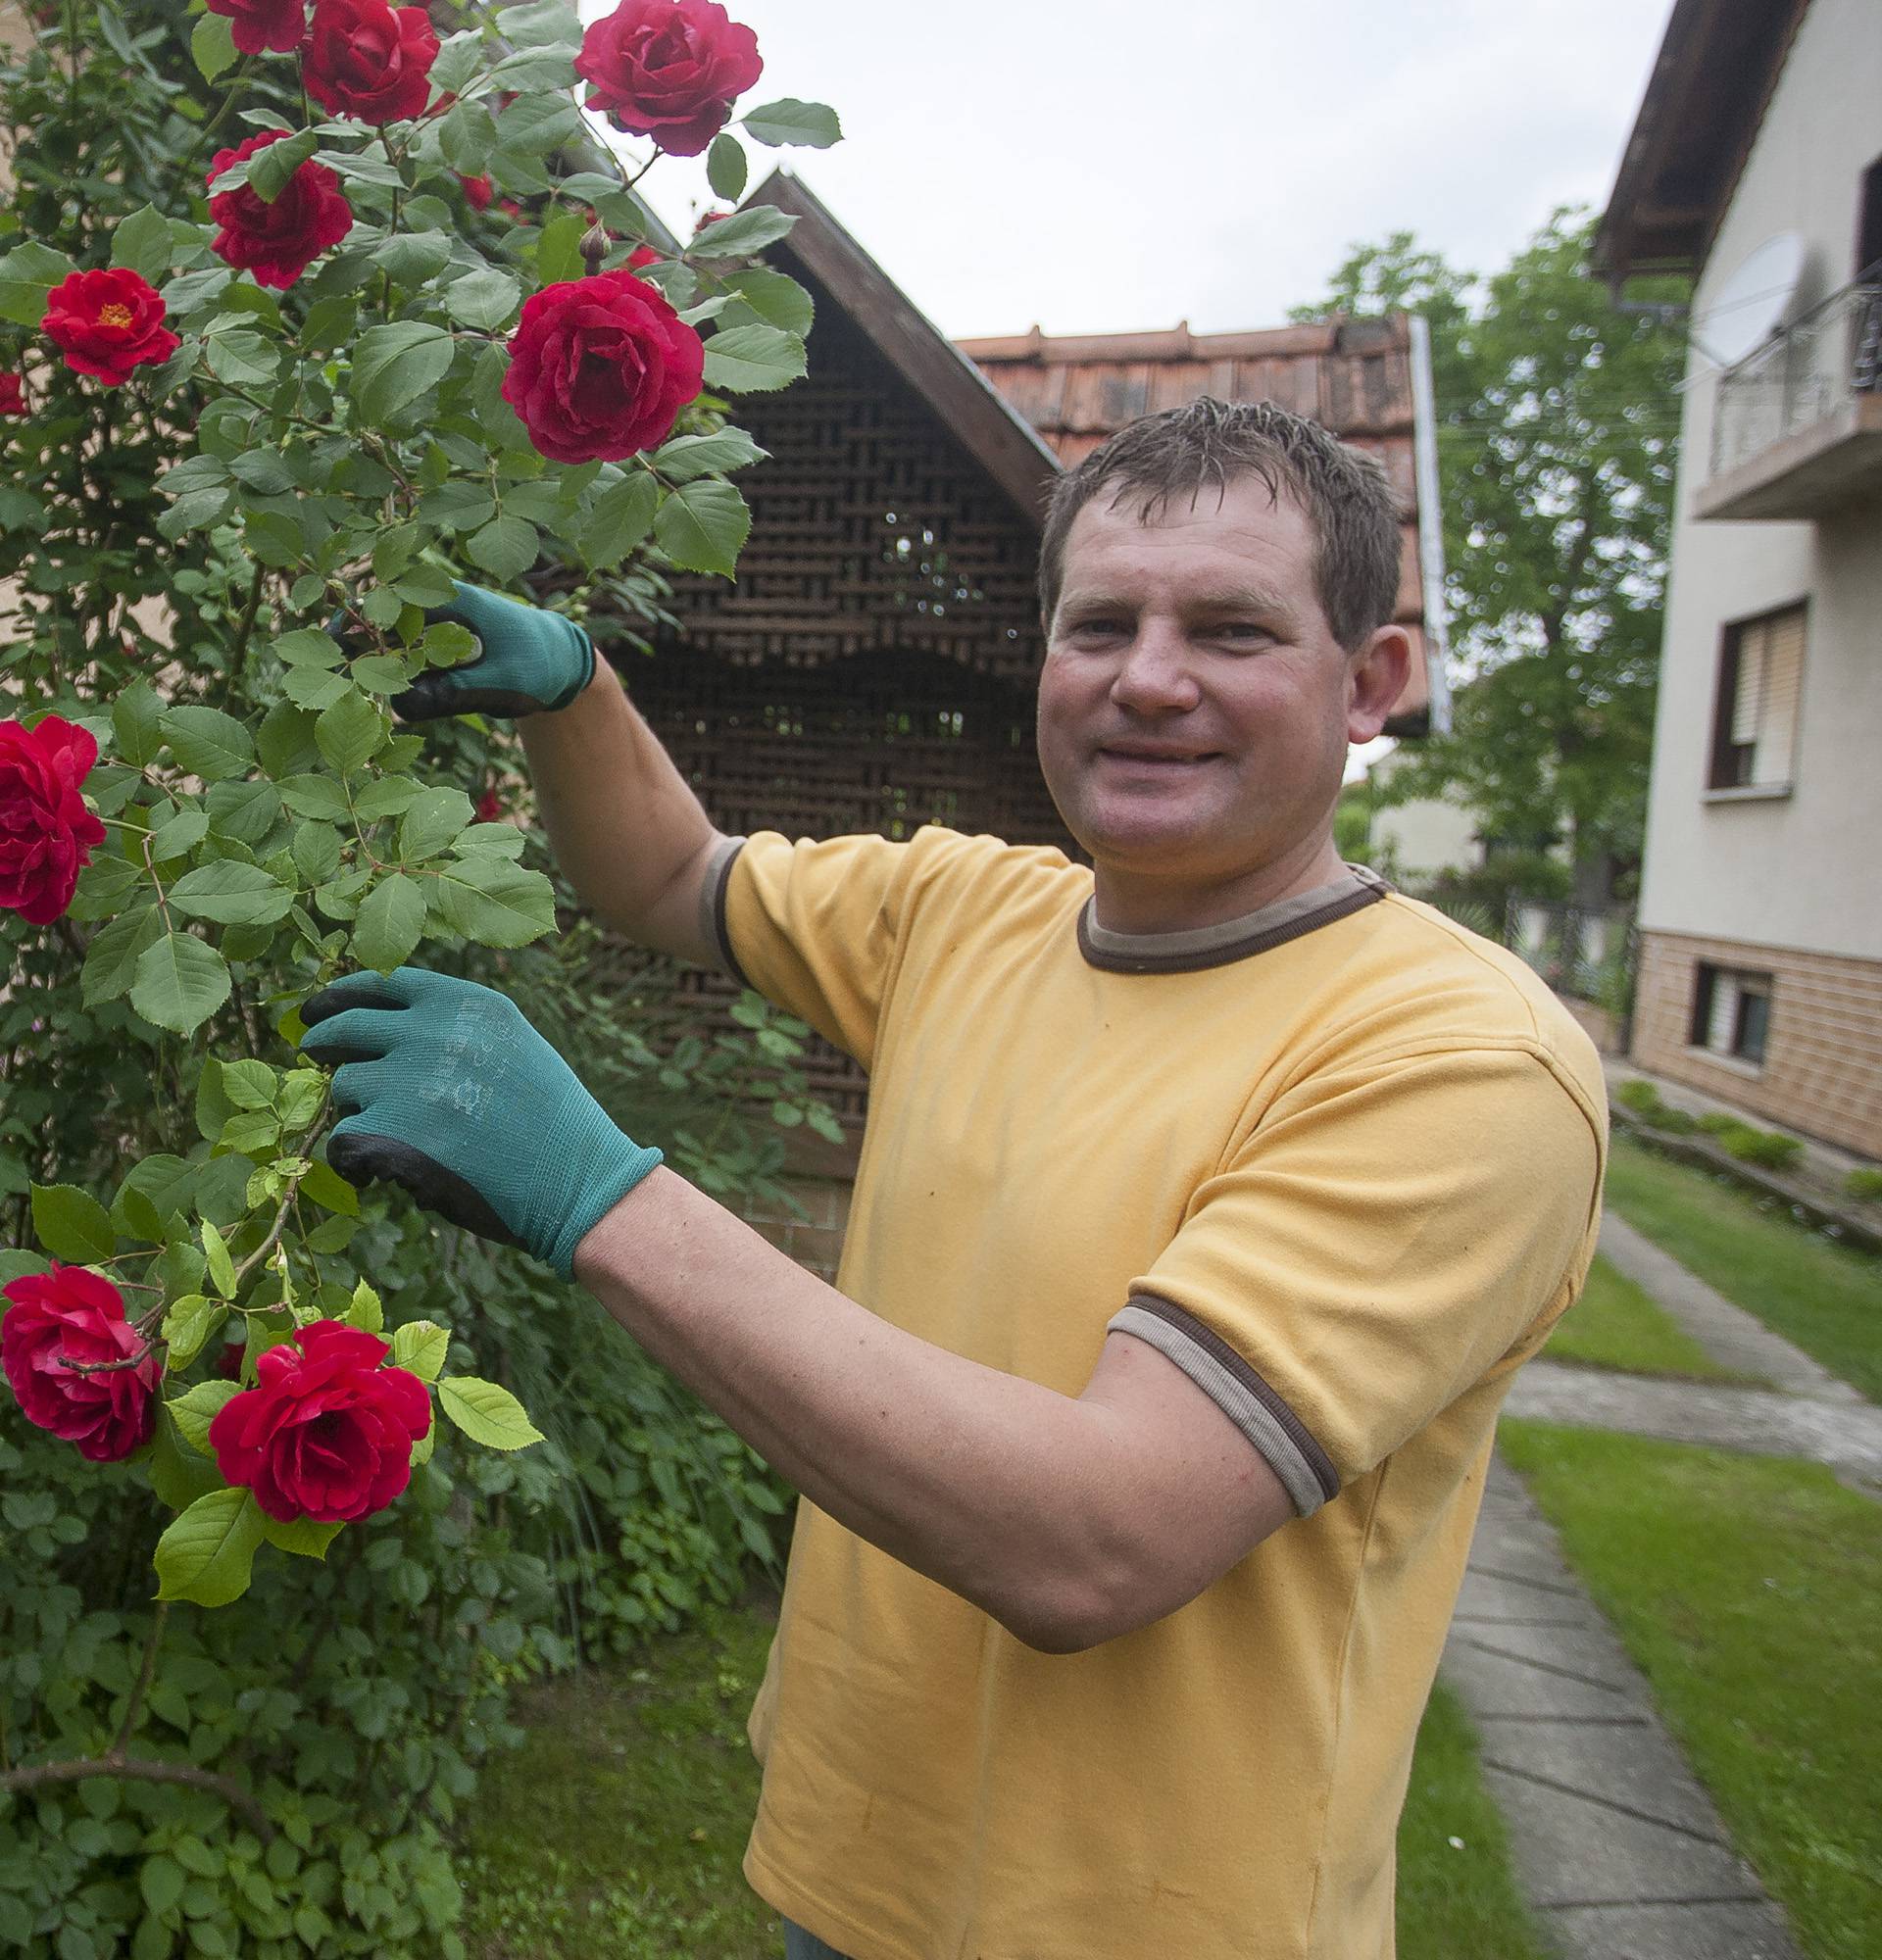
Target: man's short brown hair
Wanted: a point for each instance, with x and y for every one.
(1206, 443)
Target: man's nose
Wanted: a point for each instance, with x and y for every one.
(1156, 675)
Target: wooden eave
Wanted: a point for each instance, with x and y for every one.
(963, 398)
(1712, 82)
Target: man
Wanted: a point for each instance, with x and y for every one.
(1208, 1201)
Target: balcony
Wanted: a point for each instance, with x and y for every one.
(1797, 426)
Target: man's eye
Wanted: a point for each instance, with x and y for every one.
(1242, 630)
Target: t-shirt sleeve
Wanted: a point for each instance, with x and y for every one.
(1382, 1240)
(813, 926)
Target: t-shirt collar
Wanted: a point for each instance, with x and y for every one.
(1199, 947)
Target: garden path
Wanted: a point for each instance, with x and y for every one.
(1616, 1844)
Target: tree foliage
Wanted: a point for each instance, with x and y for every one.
(1558, 439)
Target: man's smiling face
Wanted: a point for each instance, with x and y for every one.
(1195, 707)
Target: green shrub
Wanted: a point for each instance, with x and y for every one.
(1751, 1145)
(1716, 1123)
(1644, 1099)
(1864, 1183)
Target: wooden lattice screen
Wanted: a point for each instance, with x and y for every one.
(874, 668)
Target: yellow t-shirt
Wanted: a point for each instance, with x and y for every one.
(1341, 1163)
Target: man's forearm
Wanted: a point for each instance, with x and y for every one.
(993, 1486)
(627, 830)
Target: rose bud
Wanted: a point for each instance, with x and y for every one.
(12, 395)
(73, 1314)
(477, 191)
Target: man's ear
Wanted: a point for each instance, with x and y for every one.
(1376, 678)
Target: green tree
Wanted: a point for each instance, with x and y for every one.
(1557, 438)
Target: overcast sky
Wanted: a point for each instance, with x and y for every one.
(1101, 166)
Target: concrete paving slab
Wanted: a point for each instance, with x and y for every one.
(1708, 1930)
(1612, 1838)
(1733, 1338)
(1844, 1436)
(1579, 1849)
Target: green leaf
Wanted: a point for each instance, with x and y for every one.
(364, 1310)
(350, 733)
(242, 358)
(506, 546)
(326, 1186)
(72, 1225)
(206, 1553)
(208, 743)
(725, 167)
(211, 45)
(110, 959)
(420, 1346)
(221, 1268)
(486, 298)
(394, 365)
(229, 892)
(775, 297)
(621, 517)
(486, 1412)
(809, 126)
(246, 811)
(753, 359)
(413, 257)
(249, 1084)
(178, 982)
(457, 61)
(152, 1190)
(308, 648)
(177, 835)
(495, 903)
(559, 249)
(316, 849)
(387, 795)
(135, 718)
(317, 797)
(26, 274)
(535, 124)
(467, 135)
(436, 819)
(745, 232)
(262, 470)
(542, 24)
(703, 526)
(16, 1263)
(690, 456)
(457, 506)
(390, 923)
(306, 1538)
(188, 1324)
(142, 243)
(162, 1879)
(194, 1412)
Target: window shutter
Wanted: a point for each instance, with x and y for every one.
(1749, 696)
(1782, 666)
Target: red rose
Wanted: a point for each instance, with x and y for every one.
(13, 395)
(669, 70)
(601, 368)
(510, 207)
(279, 25)
(364, 59)
(642, 255)
(279, 241)
(108, 322)
(47, 832)
(477, 191)
(327, 1433)
(489, 808)
(70, 1314)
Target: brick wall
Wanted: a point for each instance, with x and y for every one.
(1822, 1071)
(816, 1240)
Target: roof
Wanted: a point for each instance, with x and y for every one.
(1360, 378)
(1711, 84)
(948, 382)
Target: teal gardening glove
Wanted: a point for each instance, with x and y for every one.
(529, 661)
(447, 1090)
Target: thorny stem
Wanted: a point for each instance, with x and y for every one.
(136, 1704)
(135, 1770)
(150, 867)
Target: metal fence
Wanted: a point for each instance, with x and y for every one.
(1801, 374)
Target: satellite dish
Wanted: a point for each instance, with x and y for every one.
(1750, 303)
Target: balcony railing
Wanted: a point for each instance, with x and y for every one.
(1802, 375)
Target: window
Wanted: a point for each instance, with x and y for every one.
(1731, 1013)
(1761, 668)
(1868, 223)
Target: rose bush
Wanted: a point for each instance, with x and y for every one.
(78, 1368)
(47, 834)
(206, 811)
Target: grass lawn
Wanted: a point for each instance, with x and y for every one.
(1748, 1590)
(1824, 1297)
(1614, 1324)
(616, 1831)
